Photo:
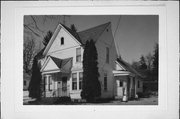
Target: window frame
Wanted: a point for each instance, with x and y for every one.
(62, 39)
(78, 55)
(74, 87)
(49, 82)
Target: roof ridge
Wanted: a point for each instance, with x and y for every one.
(107, 23)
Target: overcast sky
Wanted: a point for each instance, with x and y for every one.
(136, 35)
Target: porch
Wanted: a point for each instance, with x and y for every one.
(56, 84)
(55, 77)
(125, 85)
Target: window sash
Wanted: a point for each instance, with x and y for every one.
(78, 58)
(78, 54)
(62, 41)
(50, 80)
(74, 81)
(78, 51)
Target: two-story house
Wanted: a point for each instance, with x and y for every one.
(62, 67)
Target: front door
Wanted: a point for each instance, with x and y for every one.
(119, 88)
(64, 86)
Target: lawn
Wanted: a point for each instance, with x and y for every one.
(153, 100)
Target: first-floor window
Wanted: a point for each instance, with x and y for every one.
(105, 82)
(80, 80)
(74, 81)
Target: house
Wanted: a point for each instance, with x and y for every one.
(62, 68)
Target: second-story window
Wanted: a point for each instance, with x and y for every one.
(78, 54)
(107, 55)
(62, 40)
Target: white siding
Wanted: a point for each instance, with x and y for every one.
(50, 66)
(69, 42)
(106, 40)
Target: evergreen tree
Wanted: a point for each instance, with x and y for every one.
(73, 28)
(155, 62)
(47, 38)
(91, 85)
(142, 63)
(35, 88)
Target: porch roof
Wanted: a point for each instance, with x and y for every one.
(128, 68)
(60, 62)
(56, 64)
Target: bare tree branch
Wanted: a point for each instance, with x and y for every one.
(26, 26)
(36, 26)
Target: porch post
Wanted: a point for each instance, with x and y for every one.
(135, 86)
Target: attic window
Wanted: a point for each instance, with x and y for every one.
(62, 40)
(107, 30)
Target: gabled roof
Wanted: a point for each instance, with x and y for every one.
(92, 33)
(82, 36)
(75, 34)
(128, 67)
(60, 62)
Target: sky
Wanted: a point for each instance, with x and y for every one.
(135, 35)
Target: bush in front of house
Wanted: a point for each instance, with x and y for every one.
(144, 94)
(62, 100)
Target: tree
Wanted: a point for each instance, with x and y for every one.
(149, 59)
(35, 83)
(155, 62)
(73, 28)
(28, 54)
(35, 86)
(142, 63)
(91, 88)
(47, 38)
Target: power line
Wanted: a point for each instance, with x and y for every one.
(117, 26)
(115, 35)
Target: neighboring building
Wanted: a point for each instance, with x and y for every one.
(62, 63)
